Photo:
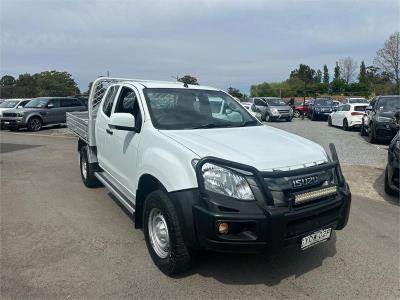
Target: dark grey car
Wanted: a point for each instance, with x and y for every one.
(41, 111)
(272, 108)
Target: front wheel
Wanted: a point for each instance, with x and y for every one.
(35, 124)
(267, 118)
(363, 132)
(163, 235)
(289, 119)
(345, 125)
(296, 114)
(372, 134)
(388, 189)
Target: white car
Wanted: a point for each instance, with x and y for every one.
(354, 100)
(200, 173)
(12, 103)
(252, 109)
(348, 115)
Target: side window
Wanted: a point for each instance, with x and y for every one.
(70, 102)
(54, 102)
(23, 103)
(128, 103)
(109, 100)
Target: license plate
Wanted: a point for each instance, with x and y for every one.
(315, 238)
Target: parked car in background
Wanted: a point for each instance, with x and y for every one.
(252, 109)
(347, 116)
(353, 100)
(376, 122)
(392, 175)
(301, 108)
(272, 108)
(12, 103)
(41, 111)
(320, 108)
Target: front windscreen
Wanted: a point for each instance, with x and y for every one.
(194, 109)
(389, 103)
(276, 102)
(9, 104)
(323, 102)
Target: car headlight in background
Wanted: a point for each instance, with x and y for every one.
(318, 108)
(383, 119)
(226, 182)
(274, 111)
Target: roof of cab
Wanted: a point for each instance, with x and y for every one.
(169, 85)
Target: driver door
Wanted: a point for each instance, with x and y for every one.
(125, 143)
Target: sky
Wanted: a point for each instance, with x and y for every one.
(221, 42)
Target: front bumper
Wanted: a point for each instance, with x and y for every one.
(385, 131)
(266, 224)
(12, 121)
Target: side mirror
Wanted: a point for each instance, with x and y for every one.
(122, 121)
(228, 111)
(50, 105)
(20, 106)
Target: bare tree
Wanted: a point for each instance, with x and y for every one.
(348, 67)
(388, 58)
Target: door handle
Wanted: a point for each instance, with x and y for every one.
(109, 131)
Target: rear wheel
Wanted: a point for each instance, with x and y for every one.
(267, 118)
(87, 170)
(296, 114)
(163, 235)
(35, 124)
(363, 132)
(345, 125)
(329, 121)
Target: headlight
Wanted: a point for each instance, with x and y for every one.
(274, 111)
(290, 110)
(318, 108)
(383, 119)
(226, 182)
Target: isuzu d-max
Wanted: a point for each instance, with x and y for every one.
(199, 172)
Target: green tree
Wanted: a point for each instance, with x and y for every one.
(304, 73)
(362, 77)
(25, 86)
(235, 92)
(318, 76)
(7, 86)
(326, 75)
(336, 72)
(53, 83)
(188, 79)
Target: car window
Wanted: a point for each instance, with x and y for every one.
(23, 103)
(70, 102)
(360, 108)
(346, 107)
(388, 103)
(54, 102)
(109, 99)
(259, 102)
(195, 109)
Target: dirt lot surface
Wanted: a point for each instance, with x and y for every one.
(60, 240)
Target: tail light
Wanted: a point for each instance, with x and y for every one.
(356, 113)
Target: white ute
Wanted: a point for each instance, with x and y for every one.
(201, 173)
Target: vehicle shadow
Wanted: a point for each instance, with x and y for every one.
(43, 129)
(379, 186)
(263, 269)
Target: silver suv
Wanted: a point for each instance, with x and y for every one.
(272, 108)
(41, 111)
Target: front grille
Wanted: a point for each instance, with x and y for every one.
(10, 114)
(283, 111)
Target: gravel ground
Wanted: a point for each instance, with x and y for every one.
(351, 147)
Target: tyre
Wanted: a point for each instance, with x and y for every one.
(35, 124)
(87, 170)
(267, 118)
(289, 119)
(296, 114)
(363, 132)
(330, 121)
(345, 125)
(388, 189)
(372, 134)
(163, 235)
(313, 117)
